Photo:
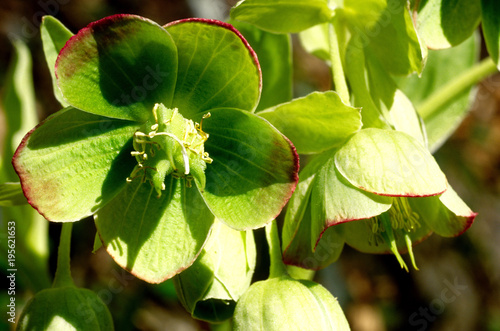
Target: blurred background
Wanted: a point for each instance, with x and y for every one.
(457, 286)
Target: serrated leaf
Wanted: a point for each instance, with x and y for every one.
(74, 162)
(217, 68)
(315, 123)
(119, 66)
(447, 23)
(253, 165)
(282, 16)
(54, 36)
(491, 28)
(275, 58)
(392, 163)
(155, 238)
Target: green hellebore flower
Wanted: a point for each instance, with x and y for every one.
(158, 140)
(382, 191)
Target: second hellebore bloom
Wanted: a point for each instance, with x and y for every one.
(158, 139)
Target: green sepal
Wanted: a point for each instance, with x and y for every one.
(120, 67)
(275, 59)
(217, 68)
(210, 288)
(316, 122)
(282, 16)
(253, 164)
(154, 237)
(54, 36)
(322, 200)
(74, 163)
(388, 162)
(447, 215)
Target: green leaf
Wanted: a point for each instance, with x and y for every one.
(118, 67)
(447, 215)
(491, 28)
(11, 194)
(74, 162)
(390, 163)
(316, 122)
(253, 165)
(18, 103)
(282, 16)
(447, 23)
(385, 29)
(393, 102)
(210, 288)
(155, 238)
(315, 41)
(288, 304)
(31, 229)
(54, 36)
(217, 68)
(275, 58)
(441, 69)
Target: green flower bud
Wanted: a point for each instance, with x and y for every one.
(65, 309)
(284, 303)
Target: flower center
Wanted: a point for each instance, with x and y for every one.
(401, 217)
(170, 145)
(394, 224)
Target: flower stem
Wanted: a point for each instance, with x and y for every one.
(336, 65)
(454, 88)
(278, 268)
(63, 271)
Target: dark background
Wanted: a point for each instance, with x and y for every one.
(458, 285)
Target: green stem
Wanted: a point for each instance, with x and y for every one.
(457, 86)
(278, 268)
(336, 65)
(63, 271)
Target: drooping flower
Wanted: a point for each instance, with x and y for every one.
(380, 192)
(159, 139)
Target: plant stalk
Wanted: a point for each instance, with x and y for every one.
(63, 271)
(336, 65)
(278, 268)
(454, 88)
